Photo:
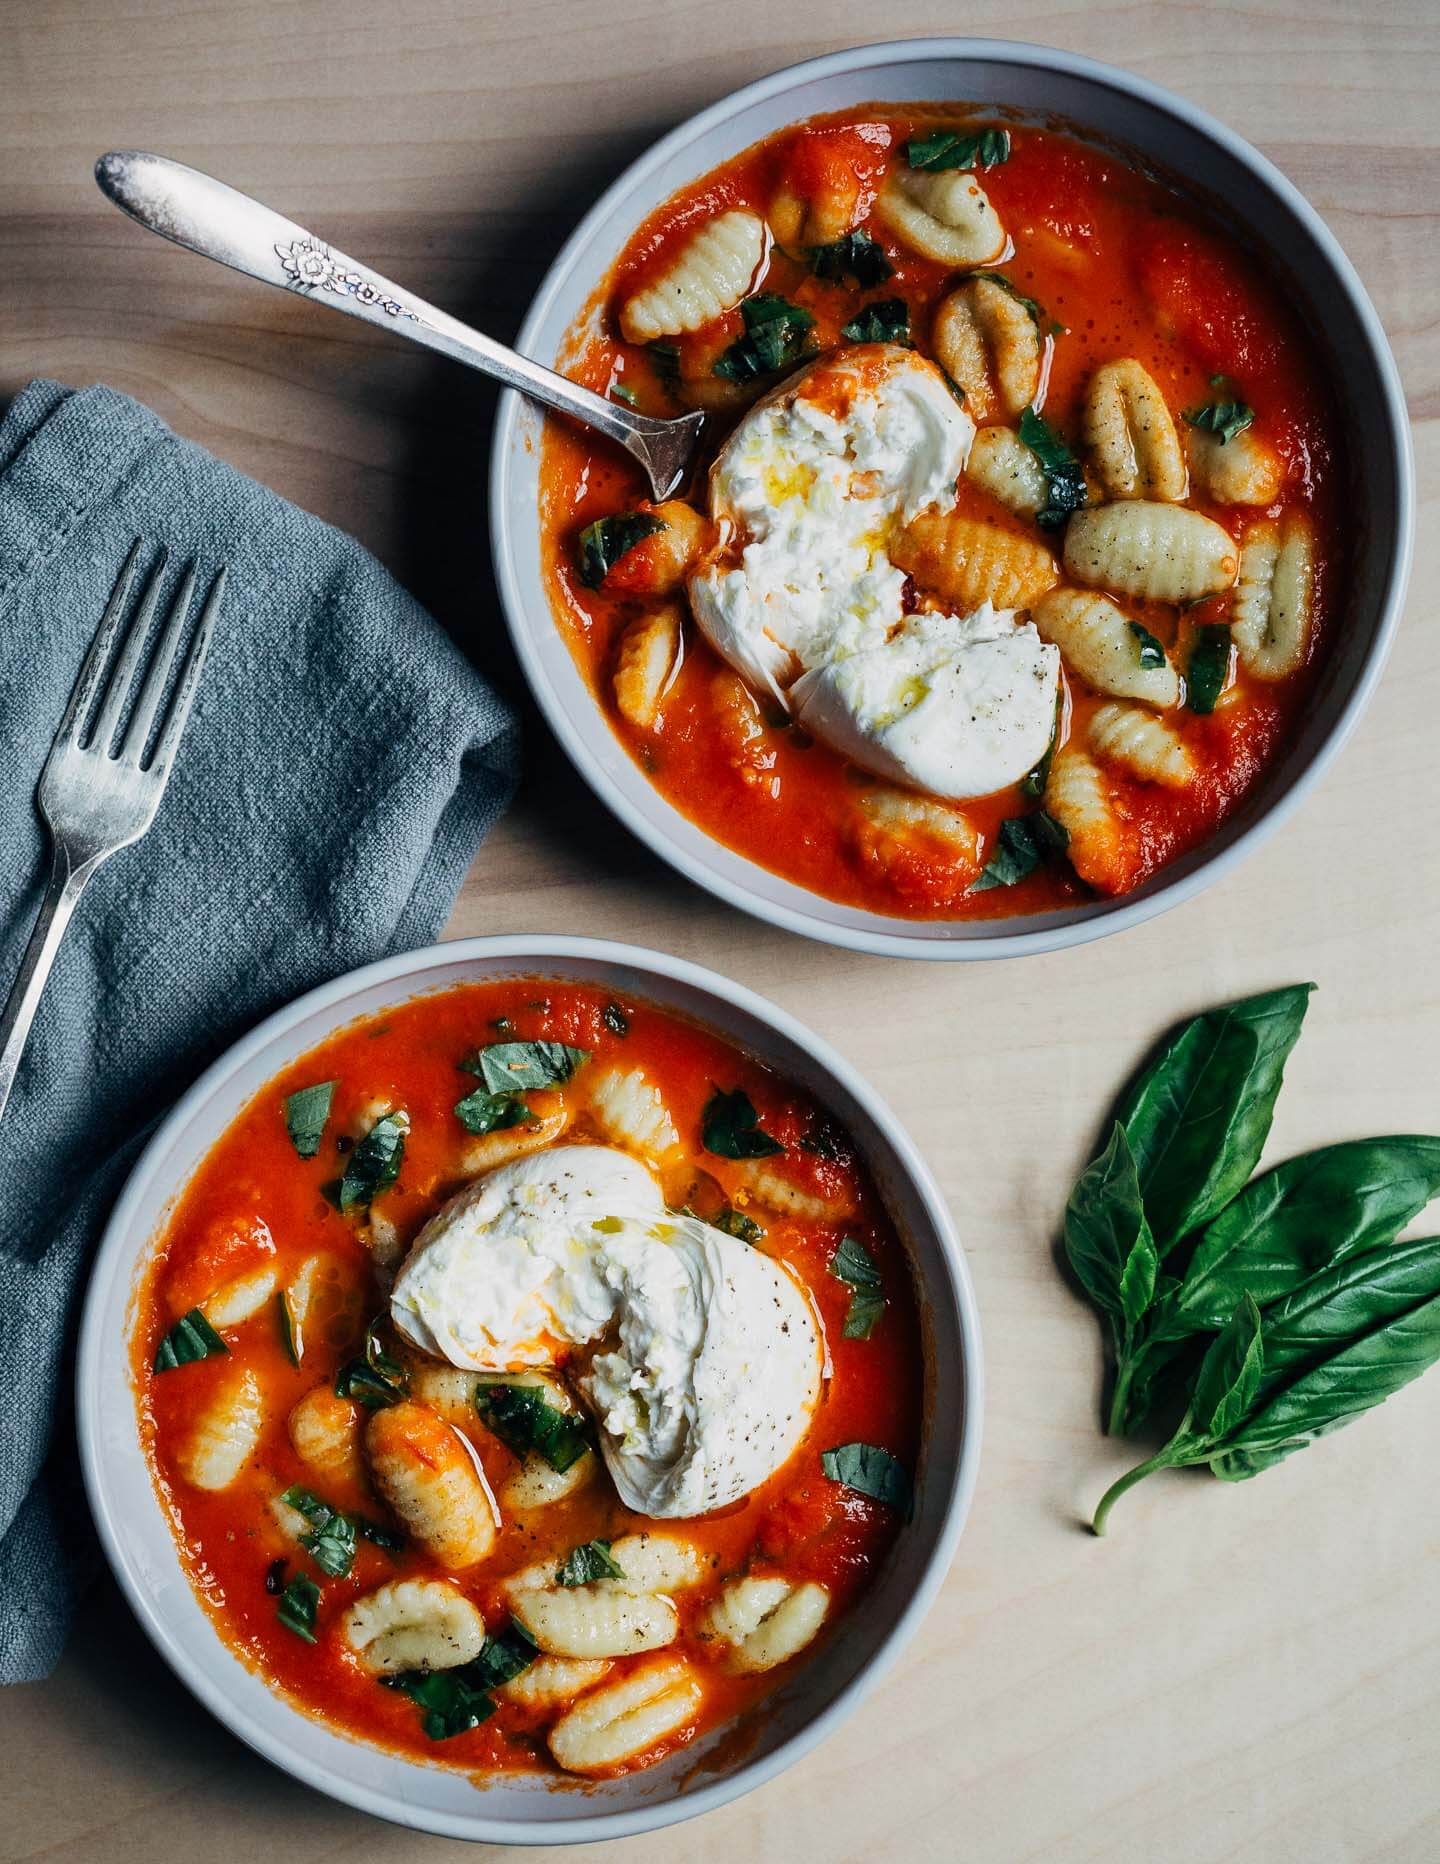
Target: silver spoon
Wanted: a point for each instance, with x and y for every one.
(217, 221)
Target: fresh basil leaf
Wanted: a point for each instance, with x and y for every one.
(1224, 419)
(451, 1706)
(606, 540)
(376, 1378)
(615, 1020)
(306, 1111)
(1303, 1216)
(191, 1338)
(523, 1419)
(885, 321)
(1208, 667)
(871, 1471)
(1033, 784)
(853, 1263)
(587, 1563)
(854, 256)
(1229, 1375)
(1198, 1116)
(1152, 654)
(730, 1128)
(1333, 1393)
(1107, 1239)
(383, 1537)
(484, 1112)
(374, 1165)
(506, 1067)
(949, 148)
(296, 1605)
(736, 1223)
(331, 1540)
(1065, 490)
(503, 1656)
(665, 360)
(777, 335)
(1021, 844)
(1037, 315)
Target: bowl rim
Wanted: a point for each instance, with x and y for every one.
(647, 826)
(204, 1669)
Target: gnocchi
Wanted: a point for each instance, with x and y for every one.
(770, 1187)
(967, 562)
(984, 334)
(708, 276)
(413, 1625)
(765, 1622)
(741, 731)
(1158, 553)
(1001, 464)
(1242, 470)
(223, 1437)
(431, 1480)
(239, 1300)
(1274, 604)
(660, 562)
(1131, 435)
(1077, 798)
(945, 216)
(588, 1621)
(630, 1111)
(1130, 736)
(1105, 648)
(325, 1430)
(550, 1681)
(622, 1720)
(489, 1151)
(649, 657)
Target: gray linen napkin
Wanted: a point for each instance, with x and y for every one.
(341, 765)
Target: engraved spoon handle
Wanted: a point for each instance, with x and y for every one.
(219, 222)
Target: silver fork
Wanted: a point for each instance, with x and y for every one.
(96, 795)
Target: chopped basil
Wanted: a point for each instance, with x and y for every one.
(383, 1537)
(776, 336)
(887, 321)
(1064, 481)
(375, 1379)
(296, 1607)
(603, 543)
(484, 1112)
(730, 1128)
(506, 1066)
(331, 1540)
(289, 1332)
(523, 1418)
(1034, 781)
(1152, 654)
(1021, 845)
(306, 1111)
(871, 1471)
(627, 395)
(503, 1656)
(1208, 666)
(665, 360)
(615, 1020)
(951, 148)
(451, 1705)
(855, 256)
(1224, 419)
(191, 1338)
(587, 1563)
(1037, 316)
(374, 1165)
(825, 1142)
(735, 1223)
(852, 1263)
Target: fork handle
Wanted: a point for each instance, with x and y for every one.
(62, 895)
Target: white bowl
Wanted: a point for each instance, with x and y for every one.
(137, 1536)
(1110, 104)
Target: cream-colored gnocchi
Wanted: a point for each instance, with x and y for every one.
(608, 1617)
(1001, 464)
(903, 816)
(1155, 552)
(550, 1681)
(489, 1151)
(325, 1431)
(984, 335)
(778, 1193)
(967, 561)
(710, 274)
(1130, 736)
(631, 1112)
(431, 1479)
(240, 1298)
(224, 1436)
(945, 216)
(413, 1624)
(1077, 797)
(741, 731)
(646, 663)
(620, 1720)
(1131, 435)
(1242, 470)
(1104, 647)
(765, 1622)
(1275, 602)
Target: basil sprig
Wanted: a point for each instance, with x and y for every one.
(1065, 490)
(730, 1128)
(587, 1563)
(870, 1471)
(853, 1263)
(603, 543)
(1224, 419)
(777, 336)
(191, 1338)
(885, 321)
(949, 148)
(306, 1111)
(854, 256)
(524, 1420)
(374, 1165)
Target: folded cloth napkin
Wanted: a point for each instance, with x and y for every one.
(341, 766)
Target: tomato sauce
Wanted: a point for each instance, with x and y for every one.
(254, 1202)
(1119, 263)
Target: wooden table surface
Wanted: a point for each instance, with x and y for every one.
(1237, 1673)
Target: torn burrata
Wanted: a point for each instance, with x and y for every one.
(703, 1358)
(804, 601)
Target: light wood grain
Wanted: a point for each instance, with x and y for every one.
(1236, 1674)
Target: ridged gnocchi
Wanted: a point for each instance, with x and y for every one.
(413, 1624)
(741, 731)
(535, 1484)
(324, 1304)
(549, 1681)
(1077, 797)
(659, 563)
(708, 276)
(1275, 602)
(765, 1622)
(989, 345)
(432, 1482)
(325, 1432)
(1131, 435)
(1101, 644)
(489, 1151)
(646, 663)
(1139, 742)
(226, 1432)
(770, 1187)
(240, 1298)
(1242, 470)
(631, 1112)
(608, 1617)
(903, 815)
(945, 216)
(624, 1719)
(1001, 464)
(1155, 552)
(967, 562)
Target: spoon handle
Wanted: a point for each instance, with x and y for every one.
(219, 222)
